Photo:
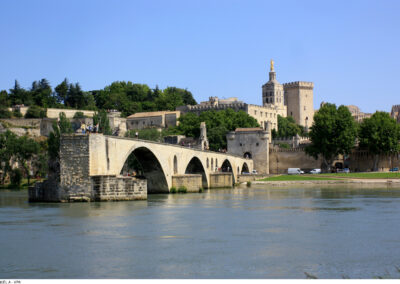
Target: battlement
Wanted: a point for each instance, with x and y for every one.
(299, 84)
(217, 107)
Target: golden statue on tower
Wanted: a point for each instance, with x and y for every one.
(272, 65)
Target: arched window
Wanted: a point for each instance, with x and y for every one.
(212, 164)
(207, 163)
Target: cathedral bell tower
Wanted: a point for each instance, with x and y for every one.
(272, 91)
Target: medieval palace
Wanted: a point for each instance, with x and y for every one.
(290, 99)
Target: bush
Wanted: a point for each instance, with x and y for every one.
(284, 145)
(5, 113)
(173, 189)
(79, 114)
(35, 112)
(182, 189)
(16, 177)
(248, 183)
(16, 113)
(201, 189)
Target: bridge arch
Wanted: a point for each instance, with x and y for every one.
(150, 168)
(195, 166)
(229, 167)
(245, 168)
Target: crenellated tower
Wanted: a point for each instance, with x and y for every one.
(299, 98)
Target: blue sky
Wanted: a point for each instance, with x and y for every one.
(349, 49)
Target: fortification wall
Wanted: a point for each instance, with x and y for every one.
(282, 159)
(362, 161)
(69, 113)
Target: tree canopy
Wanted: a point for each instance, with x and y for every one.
(287, 127)
(332, 133)
(380, 134)
(13, 148)
(126, 97)
(218, 124)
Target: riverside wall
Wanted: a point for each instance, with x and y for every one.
(282, 159)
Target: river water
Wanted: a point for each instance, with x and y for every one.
(257, 232)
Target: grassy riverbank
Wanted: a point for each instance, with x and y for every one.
(24, 185)
(374, 175)
(339, 176)
(297, 178)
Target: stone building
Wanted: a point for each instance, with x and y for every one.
(299, 99)
(395, 113)
(263, 114)
(252, 143)
(294, 99)
(156, 119)
(357, 113)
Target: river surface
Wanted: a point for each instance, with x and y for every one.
(257, 232)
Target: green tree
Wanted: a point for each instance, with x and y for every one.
(62, 91)
(102, 120)
(16, 177)
(4, 112)
(151, 134)
(42, 94)
(287, 127)
(218, 124)
(26, 148)
(19, 95)
(332, 133)
(8, 143)
(380, 134)
(4, 100)
(63, 126)
(79, 114)
(35, 112)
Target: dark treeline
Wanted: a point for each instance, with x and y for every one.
(126, 97)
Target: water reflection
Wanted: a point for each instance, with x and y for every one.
(257, 232)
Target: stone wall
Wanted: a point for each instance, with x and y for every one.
(74, 167)
(221, 180)
(362, 161)
(22, 122)
(245, 178)
(145, 122)
(171, 120)
(192, 182)
(109, 188)
(282, 159)
(47, 191)
(21, 126)
(69, 113)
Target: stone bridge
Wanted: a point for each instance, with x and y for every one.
(85, 157)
